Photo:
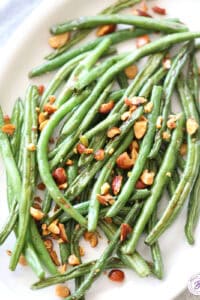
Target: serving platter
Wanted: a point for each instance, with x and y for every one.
(23, 51)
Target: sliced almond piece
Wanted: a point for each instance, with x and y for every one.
(140, 128)
(106, 29)
(57, 41)
(191, 126)
(147, 177)
(131, 71)
(36, 214)
(105, 188)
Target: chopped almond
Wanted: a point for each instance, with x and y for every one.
(140, 185)
(42, 117)
(167, 63)
(59, 175)
(106, 29)
(105, 199)
(116, 184)
(63, 186)
(124, 161)
(116, 275)
(45, 231)
(166, 136)
(159, 122)
(41, 186)
(134, 145)
(63, 268)
(135, 101)
(134, 155)
(147, 177)
(36, 214)
(54, 257)
(126, 115)
(73, 260)
(69, 162)
(22, 260)
(159, 10)
(43, 124)
(125, 229)
(53, 228)
(48, 244)
(99, 154)
(112, 132)
(57, 41)
(140, 12)
(105, 188)
(171, 123)
(143, 6)
(6, 119)
(63, 234)
(52, 99)
(87, 235)
(131, 71)
(191, 126)
(8, 128)
(41, 89)
(105, 108)
(62, 291)
(49, 108)
(80, 148)
(183, 149)
(81, 251)
(31, 147)
(142, 41)
(148, 107)
(93, 240)
(89, 151)
(140, 128)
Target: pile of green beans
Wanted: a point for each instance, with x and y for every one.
(98, 148)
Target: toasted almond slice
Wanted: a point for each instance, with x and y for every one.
(105, 199)
(31, 147)
(62, 291)
(73, 260)
(148, 107)
(22, 260)
(63, 233)
(42, 117)
(183, 149)
(53, 228)
(49, 108)
(54, 257)
(112, 132)
(142, 41)
(159, 122)
(125, 229)
(116, 184)
(43, 124)
(166, 136)
(124, 161)
(99, 154)
(105, 108)
(57, 41)
(134, 155)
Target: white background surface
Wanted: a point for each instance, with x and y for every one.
(25, 50)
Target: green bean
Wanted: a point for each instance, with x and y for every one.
(160, 182)
(122, 80)
(193, 212)
(32, 260)
(190, 172)
(194, 80)
(75, 122)
(60, 76)
(28, 171)
(155, 250)
(64, 252)
(168, 88)
(100, 264)
(75, 272)
(57, 62)
(173, 182)
(142, 156)
(82, 208)
(17, 120)
(80, 35)
(40, 248)
(43, 159)
(135, 262)
(81, 181)
(142, 22)
(94, 204)
(103, 125)
(87, 78)
(10, 223)
(181, 162)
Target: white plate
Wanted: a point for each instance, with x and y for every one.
(25, 50)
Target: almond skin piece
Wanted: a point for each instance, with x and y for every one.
(116, 275)
(125, 229)
(57, 41)
(159, 10)
(106, 29)
(140, 185)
